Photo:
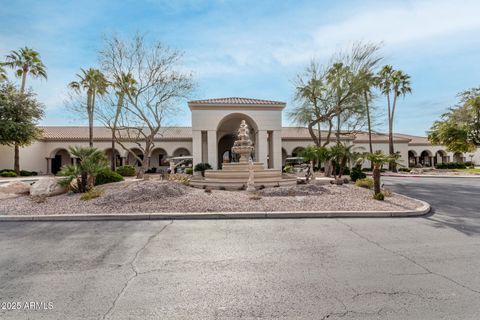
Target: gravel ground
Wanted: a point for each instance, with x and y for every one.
(166, 196)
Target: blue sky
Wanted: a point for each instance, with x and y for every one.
(255, 48)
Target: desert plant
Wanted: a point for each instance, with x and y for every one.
(379, 196)
(201, 167)
(189, 170)
(379, 159)
(126, 171)
(9, 174)
(366, 183)
(107, 176)
(357, 173)
(288, 169)
(91, 194)
(404, 169)
(180, 178)
(90, 163)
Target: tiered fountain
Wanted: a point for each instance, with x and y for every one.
(235, 175)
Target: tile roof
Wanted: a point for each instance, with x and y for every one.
(236, 101)
(69, 133)
(76, 133)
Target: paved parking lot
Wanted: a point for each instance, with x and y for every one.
(402, 268)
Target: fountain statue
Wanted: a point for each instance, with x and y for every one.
(243, 146)
(245, 174)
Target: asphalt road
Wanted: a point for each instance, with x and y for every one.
(388, 268)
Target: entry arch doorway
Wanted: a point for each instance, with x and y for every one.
(227, 134)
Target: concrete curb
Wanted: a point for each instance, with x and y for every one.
(426, 176)
(422, 210)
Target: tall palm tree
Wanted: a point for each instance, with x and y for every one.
(94, 83)
(393, 84)
(24, 62)
(367, 81)
(124, 84)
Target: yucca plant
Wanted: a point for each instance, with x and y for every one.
(90, 163)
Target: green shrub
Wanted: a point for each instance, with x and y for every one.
(367, 169)
(6, 170)
(91, 194)
(189, 170)
(202, 166)
(151, 170)
(357, 173)
(107, 176)
(346, 170)
(403, 169)
(451, 165)
(9, 174)
(364, 183)
(379, 196)
(288, 169)
(470, 164)
(25, 173)
(126, 171)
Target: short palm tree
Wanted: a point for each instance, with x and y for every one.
(24, 62)
(89, 164)
(379, 159)
(94, 83)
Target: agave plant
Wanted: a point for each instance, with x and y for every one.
(90, 163)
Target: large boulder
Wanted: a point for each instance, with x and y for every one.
(15, 187)
(47, 187)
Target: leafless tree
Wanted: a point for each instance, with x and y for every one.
(150, 82)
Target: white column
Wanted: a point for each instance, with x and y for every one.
(277, 149)
(197, 146)
(262, 147)
(212, 148)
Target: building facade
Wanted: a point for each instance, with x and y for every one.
(211, 136)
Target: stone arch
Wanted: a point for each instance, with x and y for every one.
(59, 157)
(458, 157)
(109, 152)
(440, 157)
(131, 160)
(226, 135)
(412, 158)
(426, 158)
(158, 158)
(297, 151)
(181, 152)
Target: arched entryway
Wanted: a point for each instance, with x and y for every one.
(109, 153)
(59, 158)
(426, 158)
(458, 157)
(227, 134)
(158, 158)
(412, 158)
(297, 152)
(181, 152)
(132, 160)
(440, 157)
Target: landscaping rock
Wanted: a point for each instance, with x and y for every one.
(47, 187)
(15, 187)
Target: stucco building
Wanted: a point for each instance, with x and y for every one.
(211, 136)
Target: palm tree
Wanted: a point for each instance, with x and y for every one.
(3, 74)
(396, 83)
(124, 84)
(90, 163)
(24, 61)
(94, 83)
(367, 81)
(379, 159)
